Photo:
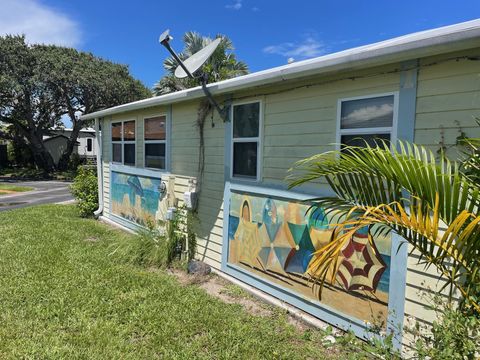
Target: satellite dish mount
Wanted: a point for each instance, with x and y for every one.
(192, 65)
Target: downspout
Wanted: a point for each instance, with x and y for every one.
(98, 142)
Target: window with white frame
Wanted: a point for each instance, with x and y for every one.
(155, 140)
(367, 120)
(246, 124)
(123, 142)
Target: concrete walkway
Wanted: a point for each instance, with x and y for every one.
(45, 192)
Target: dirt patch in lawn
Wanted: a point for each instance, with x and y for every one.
(92, 239)
(232, 294)
(7, 192)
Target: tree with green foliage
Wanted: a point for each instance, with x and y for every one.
(19, 153)
(41, 83)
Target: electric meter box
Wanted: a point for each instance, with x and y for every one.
(190, 199)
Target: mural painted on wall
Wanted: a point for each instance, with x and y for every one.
(135, 198)
(275, 239)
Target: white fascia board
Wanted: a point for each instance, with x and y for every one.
(426, 43)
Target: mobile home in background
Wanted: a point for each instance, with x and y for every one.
(422, 88)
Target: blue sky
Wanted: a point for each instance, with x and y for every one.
(265, 33)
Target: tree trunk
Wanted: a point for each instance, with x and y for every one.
(42, 158)
(65, 157)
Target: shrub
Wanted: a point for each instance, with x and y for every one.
(74, 162)
(85, 191)
(454, 335)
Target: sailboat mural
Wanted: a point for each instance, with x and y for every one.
(135, 198)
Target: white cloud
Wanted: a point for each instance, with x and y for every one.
(237, 5)
(39, 23)
(368, 113)
(255, 9)
(307, 48)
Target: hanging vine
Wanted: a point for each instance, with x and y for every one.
(203, 110)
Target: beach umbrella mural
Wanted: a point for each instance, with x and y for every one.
(275, 253)
(318, 219)
(302, 252)
(270, 219)
(362, 266)
(276, 245)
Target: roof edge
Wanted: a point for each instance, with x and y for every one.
(417, 45)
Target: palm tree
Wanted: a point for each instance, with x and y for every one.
(433, 206)
(221, 65)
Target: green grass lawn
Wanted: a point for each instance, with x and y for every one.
(8, 188)
(62, 296)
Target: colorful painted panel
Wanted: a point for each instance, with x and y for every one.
(135, 198)
(276, 239)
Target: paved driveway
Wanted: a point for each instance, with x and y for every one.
(46, 192)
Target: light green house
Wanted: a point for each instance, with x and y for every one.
(423, 87)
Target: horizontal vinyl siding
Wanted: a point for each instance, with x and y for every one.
(185, 150)
(448, 100)
(302, 123)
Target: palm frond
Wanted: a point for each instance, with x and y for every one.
(406, 191)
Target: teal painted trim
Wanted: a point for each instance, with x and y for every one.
(226, 213)
(407, 101)
(396, 293)
(227, 104)
(168, 154)
(276, 191)
(227, 151)
(317, 309)
(137, 171)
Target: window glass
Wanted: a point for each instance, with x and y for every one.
(129, 131)
(117, 153)
(359, 140)
(246, 119)
(367, 113)
(116, 131)
(155, 156)
(155, 128)
(245, 159)
(89, 144)
(129, 154)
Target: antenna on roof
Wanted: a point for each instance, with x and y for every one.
(192, 65)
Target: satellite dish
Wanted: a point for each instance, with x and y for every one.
(165, 37)
(188, 67)
(194, 62)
